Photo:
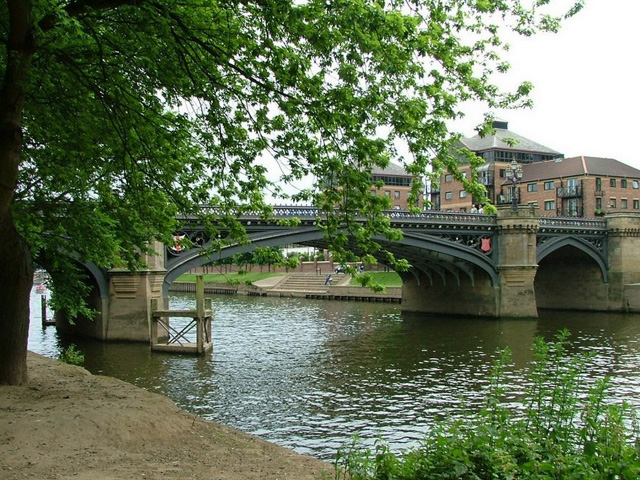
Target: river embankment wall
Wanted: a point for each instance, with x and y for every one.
(317, 267)
(333, 292)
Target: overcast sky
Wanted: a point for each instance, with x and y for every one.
(587, 84)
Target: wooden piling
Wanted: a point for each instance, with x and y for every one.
(178, 343)
(43, 309)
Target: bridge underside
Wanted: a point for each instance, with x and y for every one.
(569, 279)
(97, 300)
(474, 295)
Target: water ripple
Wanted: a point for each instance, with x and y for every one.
(310, 375)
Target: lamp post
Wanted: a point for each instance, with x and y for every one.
(514, 172)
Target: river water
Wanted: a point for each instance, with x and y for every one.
(309, 375)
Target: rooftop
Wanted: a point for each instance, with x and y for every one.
(393, 169)
(501, 140)
(577, 167)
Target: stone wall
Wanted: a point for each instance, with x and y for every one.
(478, 298)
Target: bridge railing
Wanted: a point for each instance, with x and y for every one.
(570, 222)
(313, 212)
(424, 217)
(445, 217)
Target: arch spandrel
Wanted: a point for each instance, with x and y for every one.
(552, 244)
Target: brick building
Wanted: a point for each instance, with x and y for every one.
(581, 187)
(397, 185)
(558, 186)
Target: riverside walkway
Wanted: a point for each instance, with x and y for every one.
(300, 285)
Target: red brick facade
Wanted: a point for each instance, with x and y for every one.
(580, 186)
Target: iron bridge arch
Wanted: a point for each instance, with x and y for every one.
(440, 244)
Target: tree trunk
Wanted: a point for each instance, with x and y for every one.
(16, 267)
(16, 280)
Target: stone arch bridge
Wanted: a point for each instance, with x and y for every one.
(505, 265)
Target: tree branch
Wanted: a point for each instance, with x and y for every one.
(76, 9)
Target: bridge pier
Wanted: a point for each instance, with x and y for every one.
(122, 300)
(517, 263)
(130, 296)
(624, 261)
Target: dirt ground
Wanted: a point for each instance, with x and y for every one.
(67, 423)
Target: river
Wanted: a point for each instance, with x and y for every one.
(310, 374)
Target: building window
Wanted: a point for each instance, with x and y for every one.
(463, 194)
(448, 195)
(551, 185)
(532, 187)
(549, 205)
(387, 193)
(634, 184)
(448, 177)
(623, 183)
(612, 182)
(598, 184)
(624, 204)
(636, 204)
(533, 204)
(612, 203)
(396, 194)
(393, 180)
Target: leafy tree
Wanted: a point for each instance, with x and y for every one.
(291, 262)
(268, 256)
(247, 259)
(115, 115)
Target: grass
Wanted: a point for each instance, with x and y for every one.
(232, 278)
(387, 279)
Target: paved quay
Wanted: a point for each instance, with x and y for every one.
(302, 285)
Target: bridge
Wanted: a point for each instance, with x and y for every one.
(505, 265)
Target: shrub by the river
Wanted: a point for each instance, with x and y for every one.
(71, 355)
(564, 428)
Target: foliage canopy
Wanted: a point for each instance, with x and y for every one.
(116, 115)
(138, 110)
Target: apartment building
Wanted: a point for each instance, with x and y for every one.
(397, 185)
(579, 186)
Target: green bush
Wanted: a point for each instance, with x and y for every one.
(71, 355)
(564, 430)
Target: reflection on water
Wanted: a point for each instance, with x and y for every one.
(311, 374)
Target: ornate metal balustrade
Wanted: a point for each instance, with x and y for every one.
(304, 212)
(585, 224)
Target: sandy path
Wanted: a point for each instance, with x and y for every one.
(67, 423)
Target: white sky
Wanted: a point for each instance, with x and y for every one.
(587, 84)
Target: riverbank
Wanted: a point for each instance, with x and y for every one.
(69, 423)
(297, 285)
